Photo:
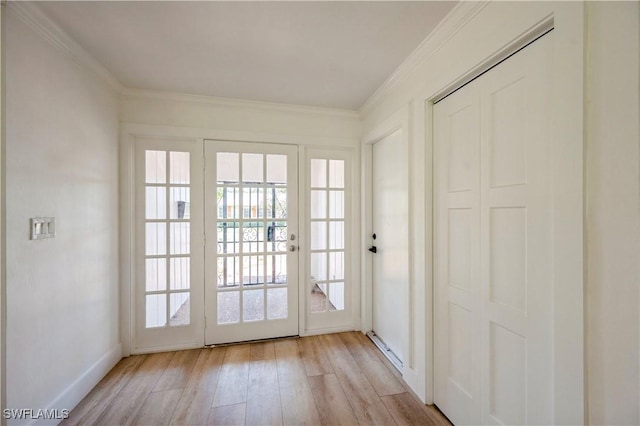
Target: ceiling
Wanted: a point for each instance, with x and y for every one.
(325, 53)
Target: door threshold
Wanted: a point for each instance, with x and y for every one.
(270, 339)
(388, 353)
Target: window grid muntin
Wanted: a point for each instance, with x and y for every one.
(167, 221)
(263, 222)
(327, 219)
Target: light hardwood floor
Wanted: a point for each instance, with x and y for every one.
(335, 379)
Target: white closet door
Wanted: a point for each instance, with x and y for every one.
(516, 240)
(494, 335)
(457, 257)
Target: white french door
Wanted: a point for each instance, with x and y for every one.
(169, 245)
(251, 255)
(217, 246)
(494, 245)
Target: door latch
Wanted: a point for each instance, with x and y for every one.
(373, 249)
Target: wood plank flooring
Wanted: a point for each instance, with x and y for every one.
(335, 379)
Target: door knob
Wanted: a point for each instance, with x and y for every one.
(373, 249)
(292, 248)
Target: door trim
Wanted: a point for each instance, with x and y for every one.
(399, 121)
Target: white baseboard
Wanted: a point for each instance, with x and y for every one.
(81, 386)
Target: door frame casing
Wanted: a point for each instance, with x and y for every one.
(129, 132)
(400, 121)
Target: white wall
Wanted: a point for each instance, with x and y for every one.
(612, 173)
(460, 47)
(613, 212)
(320, 125)
(3, 345)
(61, 160)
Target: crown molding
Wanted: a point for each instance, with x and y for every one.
(33, 16)
(455, 20)
(238, 103)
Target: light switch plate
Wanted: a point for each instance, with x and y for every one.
(43, 227)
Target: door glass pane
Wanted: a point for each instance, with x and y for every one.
(228, 271)
(277, 303)
(252, 203)
(252, 270)
(155, 203)
(156, 274)
(180, 207)
(318, 297)
(180, 237)
(336, 204)
(318, 173)
(319, 266)
(253, 237)
(336, 235)
(252, 168)
(336, 173)
(336, 296)
(180, 309)
(277, 237)
(336, 265)
(180, 273)
(179, 168)
(156, 310)
(228, 237)
(277, 269)
(228, 307)
(156, 239)
(156, 166)
(276, 203)
(318, 204)
(277, 169)
(253, 305)
(228, 167)
(318, 235)
(228, 203)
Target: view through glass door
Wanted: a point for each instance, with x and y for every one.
(251, 253)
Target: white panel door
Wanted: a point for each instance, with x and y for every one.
(391, 228)
(251, 255)
(169, 245)
(494, 286)
(457, 257)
